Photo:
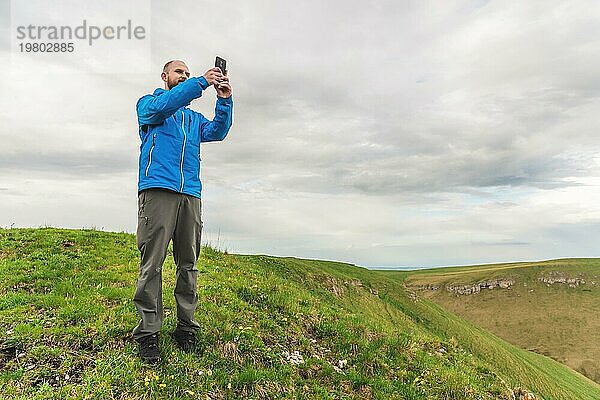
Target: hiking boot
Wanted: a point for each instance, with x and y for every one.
(149, 351)
(185, 340)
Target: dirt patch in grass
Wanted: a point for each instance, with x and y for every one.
(54, 372)
(7, 354)
(6, 254)
(68, 243)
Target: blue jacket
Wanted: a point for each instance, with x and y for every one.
(171, 134)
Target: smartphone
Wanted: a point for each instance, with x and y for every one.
(221, 63)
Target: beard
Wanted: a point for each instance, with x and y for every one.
(172, 83)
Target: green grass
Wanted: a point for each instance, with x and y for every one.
(66, 317)
(555, 320)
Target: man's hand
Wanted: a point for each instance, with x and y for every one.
(213, 75)
(223, 87)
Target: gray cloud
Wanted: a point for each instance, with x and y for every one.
(401, 132)
(87, 164)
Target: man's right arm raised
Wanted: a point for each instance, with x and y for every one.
(154, 109)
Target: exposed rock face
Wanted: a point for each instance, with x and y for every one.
(502, 283)
(339, 287)
(335, 286)
(522, 394)
(559, 277)
(549, 278)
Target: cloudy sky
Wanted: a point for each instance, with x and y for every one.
(383, 133)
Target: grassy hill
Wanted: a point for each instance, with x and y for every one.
(272, 328)
(550, 307)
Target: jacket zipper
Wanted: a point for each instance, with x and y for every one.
(150, 154)
(182, 151)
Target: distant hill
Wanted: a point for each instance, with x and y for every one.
(549, 307)
(272, 328)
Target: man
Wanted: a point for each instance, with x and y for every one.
(169, 205)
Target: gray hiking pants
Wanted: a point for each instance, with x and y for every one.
(164, 215)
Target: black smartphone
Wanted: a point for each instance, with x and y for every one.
(221, 63)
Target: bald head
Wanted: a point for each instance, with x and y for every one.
(171, 63)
